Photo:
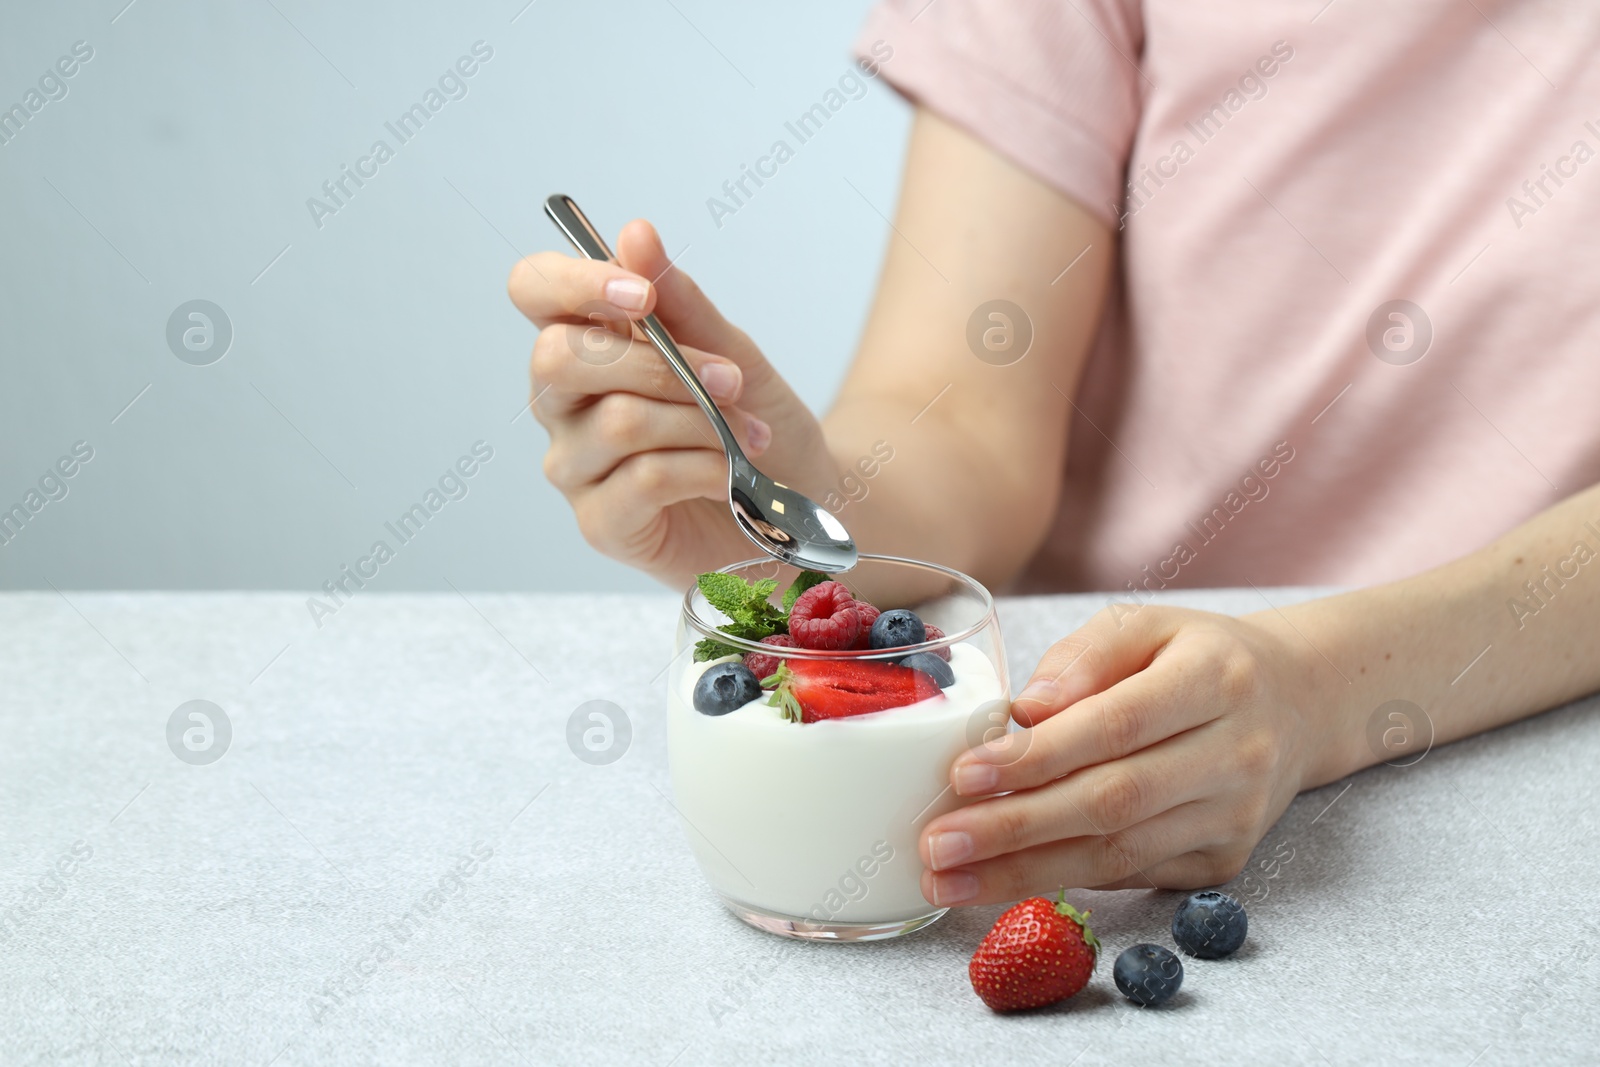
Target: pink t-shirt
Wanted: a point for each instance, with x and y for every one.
(1258, 407)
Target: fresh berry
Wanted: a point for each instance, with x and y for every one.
(936, 634)
(1148, 975)
(825, 617)
(1038, 953)
(897, 628)
(725, 687)
(932, 666)
(1209, 925)
(763, 664)
(812, 690)
(869, 615)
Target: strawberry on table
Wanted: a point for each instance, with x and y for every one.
(1038, 952)
(813, 690)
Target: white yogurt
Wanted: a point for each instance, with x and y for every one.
(821, 820)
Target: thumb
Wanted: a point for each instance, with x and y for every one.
(1119, 641)
(683, 309)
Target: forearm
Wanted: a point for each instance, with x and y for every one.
(1476, 643)
(929, 490)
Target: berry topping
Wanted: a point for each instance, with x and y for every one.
(825, 617)
(762, 664)
(725, 687)
(802, 581)
(936, 634)
(1148, 975)
(898, 628)
(813, 690)
(1038, 953)
(869, 615)
(932, 666)
(1209, 925)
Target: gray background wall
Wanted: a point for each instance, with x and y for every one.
(369, 354)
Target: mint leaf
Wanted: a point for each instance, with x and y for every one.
(749, 631)
(767, 618)
(708, 649)
(752, 616)
(728, 593)
(760, 611)
(802, 581)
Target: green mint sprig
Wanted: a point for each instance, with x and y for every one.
(743, 602)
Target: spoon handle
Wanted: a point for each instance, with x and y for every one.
(571, 220)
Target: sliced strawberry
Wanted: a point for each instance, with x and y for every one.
(813, 690)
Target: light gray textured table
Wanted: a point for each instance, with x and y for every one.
(253, 910)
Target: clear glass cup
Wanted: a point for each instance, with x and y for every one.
(810, 829)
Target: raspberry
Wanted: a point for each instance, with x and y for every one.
(763, 665)
(869, 615)
(935, 634)
(825, 617)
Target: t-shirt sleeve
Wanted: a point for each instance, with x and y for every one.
(1054, 87)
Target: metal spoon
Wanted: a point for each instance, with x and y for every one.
(786, 525)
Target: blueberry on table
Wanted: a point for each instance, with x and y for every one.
(725, 687)
(1209, 925)
(897, 628)
(931, 665)
(1148, 975)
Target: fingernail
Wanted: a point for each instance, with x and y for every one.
(760, 435)
(627, 293)
(1042, 692)
(721, 380)
(975, 779)
(949, 849)
(953, 888)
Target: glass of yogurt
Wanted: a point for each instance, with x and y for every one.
(803, 809)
